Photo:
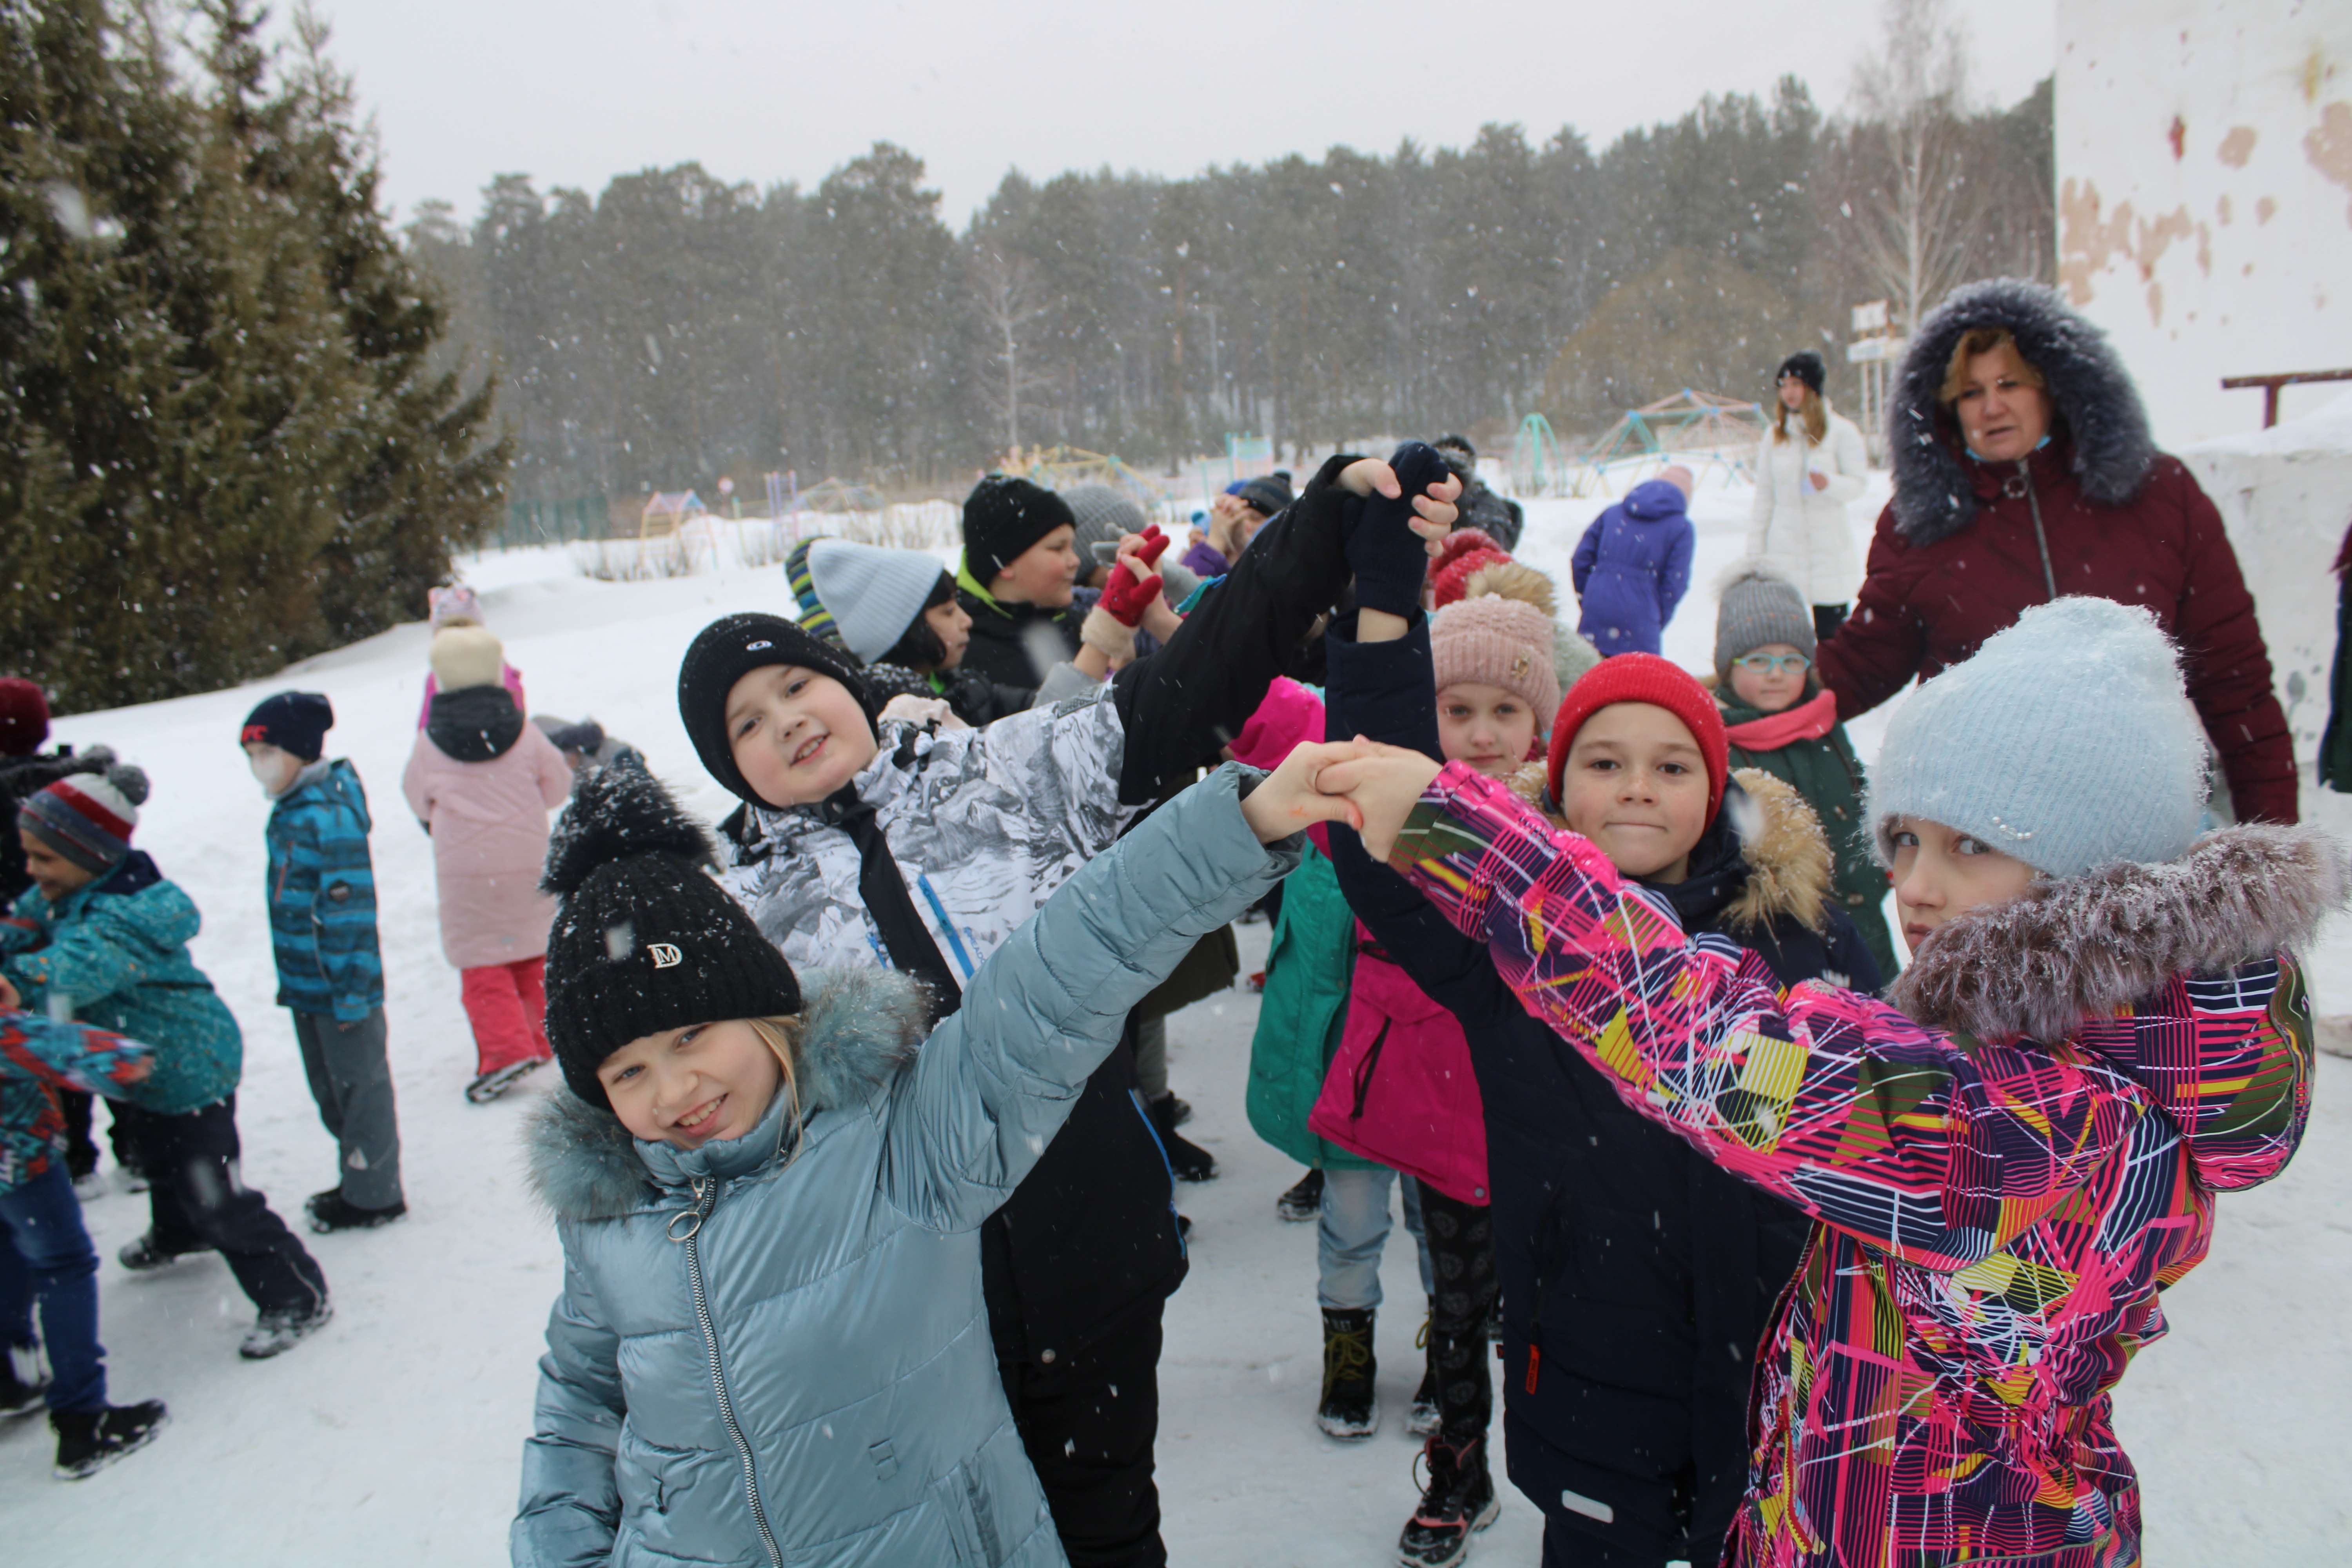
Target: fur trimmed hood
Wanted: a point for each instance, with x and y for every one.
(860, 1027)
(2037, 966)
(2098, 405)
(1790, 867)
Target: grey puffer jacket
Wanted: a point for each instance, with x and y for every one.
(770, 1355)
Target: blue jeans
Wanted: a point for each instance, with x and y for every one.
(45, 1254)
(1350, 1231)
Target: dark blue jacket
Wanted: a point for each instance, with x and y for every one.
(1637, 1278)
(322, 896)
(1631, 567)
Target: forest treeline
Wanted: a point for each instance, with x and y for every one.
(676, 328)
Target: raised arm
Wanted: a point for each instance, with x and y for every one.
(571, 1506)
(1833, 1101)
(994, 1081)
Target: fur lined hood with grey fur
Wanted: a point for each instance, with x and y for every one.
(2037, 966)
(2098, 405)
(859, 1027)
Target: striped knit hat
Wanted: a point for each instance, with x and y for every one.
(88, 817)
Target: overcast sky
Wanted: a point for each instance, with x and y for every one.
(574, 91)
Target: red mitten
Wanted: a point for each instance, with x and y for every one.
(1155, 544)
(1125, 599)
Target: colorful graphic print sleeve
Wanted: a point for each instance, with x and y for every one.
(69, 1055)
(1832, 1100)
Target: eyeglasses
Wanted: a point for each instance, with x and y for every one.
(1774, 663)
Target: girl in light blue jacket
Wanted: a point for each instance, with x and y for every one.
(772, 1346)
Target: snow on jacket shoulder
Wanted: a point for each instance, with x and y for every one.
(1996, 1208)
(322, 896)
(114, 952)
(984, 823)
(1801, 531)
(482, 783)
(37, 1055)
(862, 1419)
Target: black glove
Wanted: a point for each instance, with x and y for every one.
(1387, 556)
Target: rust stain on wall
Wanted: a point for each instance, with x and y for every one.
(2329, 147)
(2237, 146)
(2177, 135)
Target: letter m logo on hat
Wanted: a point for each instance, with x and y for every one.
(665, 955)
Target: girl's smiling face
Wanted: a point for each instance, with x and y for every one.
(1635, 784)
(1941, 875)
(796, 736)
(689, 1086)
(1489, 727)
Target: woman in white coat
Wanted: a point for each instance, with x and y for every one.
(1808, 467)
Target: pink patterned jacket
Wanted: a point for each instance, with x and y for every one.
(1999, 1188)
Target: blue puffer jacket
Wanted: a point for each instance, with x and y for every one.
(37, 1056)
(1632, 568)
(322, 896)
(114, 953)
(772, 1352)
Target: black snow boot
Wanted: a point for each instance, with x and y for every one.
(1457, 1501)
(22, 1382)
(89, 1440)
(1423, 1418)
(144, 1256)
(330, 1212)
(1303, 1203)
(497, 1080)
(1350, 1410)
(1188, 1159)
(281, 1329)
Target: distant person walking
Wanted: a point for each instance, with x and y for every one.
(1633, 564)
(2023, 470)
(1808, 467)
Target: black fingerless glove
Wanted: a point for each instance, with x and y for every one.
(1386, 555)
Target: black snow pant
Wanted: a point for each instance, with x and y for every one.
(1088, 1419)
(198, 1201)
(82, 1153)
(1461, 1239)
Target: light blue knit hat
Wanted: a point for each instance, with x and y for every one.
(873, 594)
(2067, 742)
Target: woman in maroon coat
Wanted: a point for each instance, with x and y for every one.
(2023, 470)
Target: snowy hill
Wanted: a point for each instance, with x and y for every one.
(392, 1437)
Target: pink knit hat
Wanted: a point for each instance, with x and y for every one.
(1496, 641)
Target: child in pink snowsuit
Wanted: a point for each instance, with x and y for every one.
(482, 783)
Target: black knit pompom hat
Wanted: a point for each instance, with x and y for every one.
(643, 939)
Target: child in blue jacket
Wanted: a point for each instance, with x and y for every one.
(1633, 565)
(102, 937)
(44, 1251)
(323, 933)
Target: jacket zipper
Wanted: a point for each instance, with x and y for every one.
(2034, 503)
(705, 1193)
(1364, 1069)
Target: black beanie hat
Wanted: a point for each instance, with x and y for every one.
(643, 939)
(1003, 518)
(296, 723)
(724, 652)
(1269, 494)
(1806, 367)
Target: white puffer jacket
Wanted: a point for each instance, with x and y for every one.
(1799, 530)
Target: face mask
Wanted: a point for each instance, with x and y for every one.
(272, 769)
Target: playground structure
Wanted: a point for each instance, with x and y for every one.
(1536, 468)
(1697, 430)
(1065, 468)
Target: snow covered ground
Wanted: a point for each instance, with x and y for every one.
(392, 1437)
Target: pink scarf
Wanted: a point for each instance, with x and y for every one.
(1805, 722)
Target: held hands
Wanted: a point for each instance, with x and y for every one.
(1378, 783)
(1409, 509)
(1286, 801)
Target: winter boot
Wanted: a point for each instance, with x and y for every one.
(1350, 1410)
(22, 1382)
(1457, 1501)
(330, 1212)
(144, 1256)
(1423, 1418)
(1179, 1111)
(281, 1329)
(1188, 1159)
(497, 1080)
(1302, 1204)
(89, 1440)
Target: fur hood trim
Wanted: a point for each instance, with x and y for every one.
(2113, 451)
(2088, 945)
(859, 1027)
(1790, 867)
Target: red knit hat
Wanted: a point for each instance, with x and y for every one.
(24, 718)
(1645, 678)
(1450, 583)
(1461, 543)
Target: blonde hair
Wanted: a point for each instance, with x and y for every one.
(781, 1036)
(1815, 412)
(1978, 340)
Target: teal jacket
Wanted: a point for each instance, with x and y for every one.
(37, 1056)
(1309, 971)
(114, 952)
(775, 1350)
(322, 896)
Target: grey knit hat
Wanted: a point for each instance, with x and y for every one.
(1759, 606)
(1103, 514)
(873, 593)
(2067, 742)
